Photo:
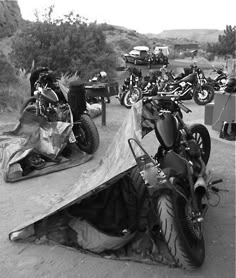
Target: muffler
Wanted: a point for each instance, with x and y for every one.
(200, 186)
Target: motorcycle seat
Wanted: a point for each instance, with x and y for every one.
(176, 163)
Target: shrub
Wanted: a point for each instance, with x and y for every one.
(7, 71)
(13, 94)
(67, 45)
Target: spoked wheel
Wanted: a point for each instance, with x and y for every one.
(30, 101)
(204, 94)
(86, 134)
(202, 137)
(180, 230)
(132, 96)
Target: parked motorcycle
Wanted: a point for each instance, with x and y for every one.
(219, 81)
(130, 91)
(230, 86)
(179, 187)
(55, 102)
(191, 86)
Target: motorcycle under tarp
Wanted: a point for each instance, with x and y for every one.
(104, 212)
(37, 147)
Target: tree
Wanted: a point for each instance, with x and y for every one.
(226, 44)
(65, 45)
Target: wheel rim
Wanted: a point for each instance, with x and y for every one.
(133, 97)
(193, 225)
(199, 140)
(81, 136)
(203, 94)
(191, 228)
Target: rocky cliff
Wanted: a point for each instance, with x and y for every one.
(10, 17)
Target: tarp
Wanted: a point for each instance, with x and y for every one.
(35, 141)
(117, 160)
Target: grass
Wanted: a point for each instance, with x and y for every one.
(13, 95)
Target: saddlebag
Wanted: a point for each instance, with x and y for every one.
(76, 98)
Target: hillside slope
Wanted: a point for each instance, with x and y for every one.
(199, 35)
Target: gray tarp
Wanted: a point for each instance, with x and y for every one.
(117, 160)
(34, 134)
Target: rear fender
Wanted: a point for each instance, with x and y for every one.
(156, 180)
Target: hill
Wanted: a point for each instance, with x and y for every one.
(198, 35)
(10, 18)
(124, 39)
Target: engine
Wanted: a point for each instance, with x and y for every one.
(58, 112)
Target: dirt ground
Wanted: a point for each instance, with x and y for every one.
(20, 201)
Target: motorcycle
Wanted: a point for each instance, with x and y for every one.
(52, 101)
(179, 187)
(191, 86)
(219, 81)
(230, 86)
(130, 92)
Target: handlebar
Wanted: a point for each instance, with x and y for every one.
(184, 108)
(173, 98)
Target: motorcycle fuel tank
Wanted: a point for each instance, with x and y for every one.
(166, 129)
(50, 95)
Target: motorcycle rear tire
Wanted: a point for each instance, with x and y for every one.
(86, 134)
(128, 96)
(209, 97)
(187, 250)
(201, 135)
(29, 101)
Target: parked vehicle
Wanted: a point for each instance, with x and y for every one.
(133, 93)
(178, 186)
(230, 86)
(191, 86)
(219, 81)
(55, 102)
(138, 55)
(130, 91)
(160, 55)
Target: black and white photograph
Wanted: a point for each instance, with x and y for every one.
(117, 139)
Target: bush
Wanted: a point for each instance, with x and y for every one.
(65, 46)
(13, 94)
(7, 71)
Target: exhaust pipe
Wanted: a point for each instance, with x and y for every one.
(200, 186)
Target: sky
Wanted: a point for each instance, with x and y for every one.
(150, 16)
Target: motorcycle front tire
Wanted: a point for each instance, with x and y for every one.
(186, 249)
(206, 89)
(29, 101)
(128, 100)
(86, 134)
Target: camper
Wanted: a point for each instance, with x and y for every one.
(163, 49)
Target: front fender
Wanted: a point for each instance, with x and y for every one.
(156, 180)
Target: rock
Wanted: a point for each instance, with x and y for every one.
(10, 18)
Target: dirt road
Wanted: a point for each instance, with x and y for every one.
(20, 201)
